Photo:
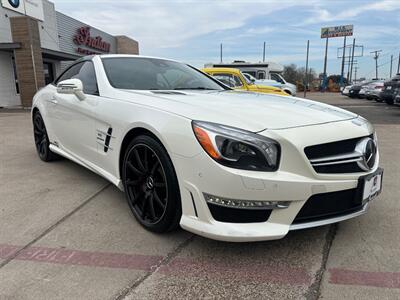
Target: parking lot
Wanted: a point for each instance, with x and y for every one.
(66, 233)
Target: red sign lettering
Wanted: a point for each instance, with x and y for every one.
(83, 37)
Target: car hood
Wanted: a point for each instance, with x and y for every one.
(263, 88)
(251, 111)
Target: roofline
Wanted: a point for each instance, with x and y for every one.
(10, 46)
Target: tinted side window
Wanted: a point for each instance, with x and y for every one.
(88, 77)
(72, 72)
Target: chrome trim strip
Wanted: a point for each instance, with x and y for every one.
(329, 221)
(344, 156)
(104, 145)
(337, 162)
(105, 133)
(211, 199)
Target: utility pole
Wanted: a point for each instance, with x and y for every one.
(344, 54)
(376, 56)
(398, 65)
(264, 53)
(352, 60)
(220, 53)
(306, 79)
(325, 61)
(355, 73)
(391, 62)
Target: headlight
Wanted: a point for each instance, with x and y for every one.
(237, 148)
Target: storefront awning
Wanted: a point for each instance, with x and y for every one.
(58, 55)
(9, 46)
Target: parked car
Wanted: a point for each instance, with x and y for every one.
(354, 91)
(265, 82)
(261, 71)
(346, 90)
(373, 90)
(358, 90)
(288, 87)
(236, 80)
(397, 98)
(188, 150)
(389, 90)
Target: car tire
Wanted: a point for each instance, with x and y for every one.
(389, 101)
(151, 185)
(42, 142)
(288, 92)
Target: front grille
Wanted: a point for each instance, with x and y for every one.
(329, 205)
(335, 157)
(238, 215)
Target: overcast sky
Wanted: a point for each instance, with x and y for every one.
(192, 31)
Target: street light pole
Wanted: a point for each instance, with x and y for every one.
(264, 53)
(220, 53)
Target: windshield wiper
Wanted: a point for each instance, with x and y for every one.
(196, 88)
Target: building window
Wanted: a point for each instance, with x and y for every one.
(15, 75)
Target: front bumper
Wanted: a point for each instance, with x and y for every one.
(295, 182)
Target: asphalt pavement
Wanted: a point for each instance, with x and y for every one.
(66, 233)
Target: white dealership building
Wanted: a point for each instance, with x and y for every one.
(37, 42)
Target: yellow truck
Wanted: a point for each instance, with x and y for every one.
(236, 80)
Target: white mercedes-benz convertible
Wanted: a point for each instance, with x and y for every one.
(189, 151)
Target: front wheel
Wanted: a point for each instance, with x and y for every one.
(42, 142)
(151, 186)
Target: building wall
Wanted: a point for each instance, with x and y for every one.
(126, 45)
(8, 93)
(67, 28)
(28, 58)
(5, 29)
(48, 29)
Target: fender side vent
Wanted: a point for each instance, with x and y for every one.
(108, 139)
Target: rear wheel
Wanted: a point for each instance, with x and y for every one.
(151, 185)
(42, 142)
(288, 92)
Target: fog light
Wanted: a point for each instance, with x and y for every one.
(245, 204)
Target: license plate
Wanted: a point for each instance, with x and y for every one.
(389, 87)
(372, 185)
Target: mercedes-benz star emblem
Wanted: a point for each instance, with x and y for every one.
(367, 148)
(14, 3)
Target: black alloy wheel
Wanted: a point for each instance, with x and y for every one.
(41, 139)
(151, 186)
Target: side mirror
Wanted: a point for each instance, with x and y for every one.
(71, 87)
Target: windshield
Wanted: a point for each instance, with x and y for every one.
(139, 73)
(249, 79)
